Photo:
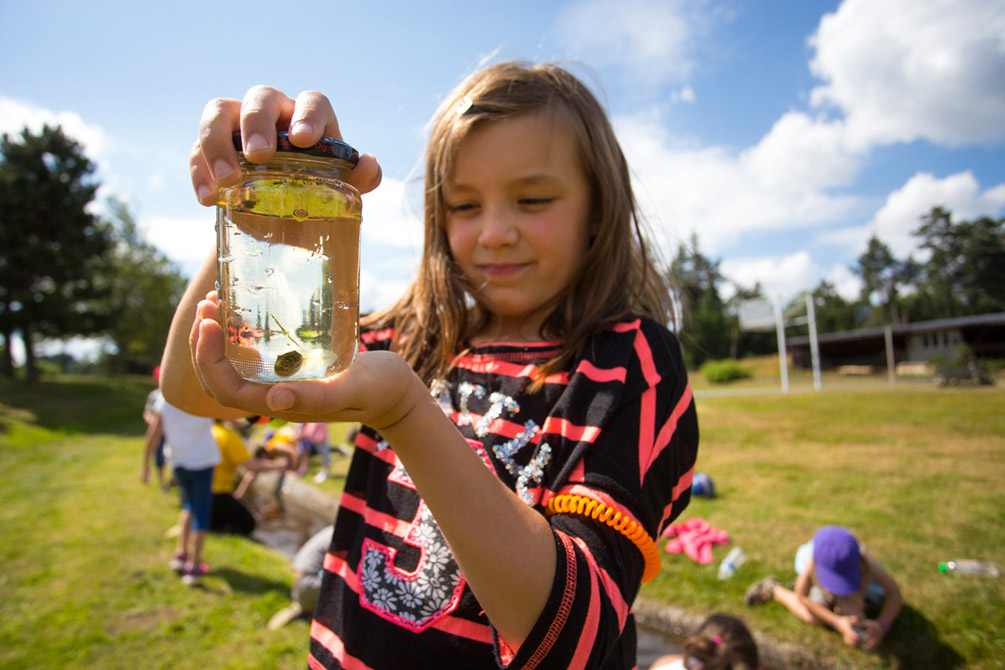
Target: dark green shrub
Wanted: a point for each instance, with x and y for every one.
(722, 372)
(962, 368)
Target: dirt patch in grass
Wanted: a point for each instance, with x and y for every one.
(141, 621)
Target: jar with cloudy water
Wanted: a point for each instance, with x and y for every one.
(288, 235)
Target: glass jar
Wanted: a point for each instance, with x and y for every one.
(288, 263)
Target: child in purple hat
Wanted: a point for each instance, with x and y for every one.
(839, 586)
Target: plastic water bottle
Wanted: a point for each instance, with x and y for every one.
(970, 567)
(734, 559)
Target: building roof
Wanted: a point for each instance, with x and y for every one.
(995, 319)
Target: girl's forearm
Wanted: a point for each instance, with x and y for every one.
(823, 614)
(504, 548)
(178, 380)
(890, 610)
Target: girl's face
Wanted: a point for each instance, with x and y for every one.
(517, 219)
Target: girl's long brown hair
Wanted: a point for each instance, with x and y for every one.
(617, 278)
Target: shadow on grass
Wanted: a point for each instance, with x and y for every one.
(251, 583)
(77, 404)
(916, 644)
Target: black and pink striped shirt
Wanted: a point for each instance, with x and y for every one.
(619, 427)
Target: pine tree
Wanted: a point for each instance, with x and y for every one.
(51, 246)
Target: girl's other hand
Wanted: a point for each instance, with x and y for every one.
(213, 162)
(874, 633)
(378, 389)
(847, 626)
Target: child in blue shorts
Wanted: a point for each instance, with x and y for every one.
(193, 451)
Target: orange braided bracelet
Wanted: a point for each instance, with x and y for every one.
(583, 506)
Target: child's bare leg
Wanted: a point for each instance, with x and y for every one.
(198, 537)
(792, 602)
(185, 524)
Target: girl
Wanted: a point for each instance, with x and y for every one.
(840, 586)
(529, 428)
(722, 642)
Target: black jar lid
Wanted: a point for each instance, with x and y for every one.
(326, 147)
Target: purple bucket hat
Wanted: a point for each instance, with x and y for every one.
(837, 560)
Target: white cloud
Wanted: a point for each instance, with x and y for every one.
(390, 217)
(846, 283)
(651, 41)
(157, 181)
(379, 289)
(16, 115)
(185, 240)
(898, 70)
(959, 193)
(900, 215)
(723, 196)
(391, 243)
(685, 94)
(98, 145)
(800, 154)
(903, 70)
(851, 239)
(783, 277)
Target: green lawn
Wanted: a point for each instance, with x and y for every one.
(85, 580)
(915, 470)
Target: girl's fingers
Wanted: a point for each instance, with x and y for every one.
(206, 309)
(312, 400)
(367, 174)
(219, 379)
(313, 117)
(263, 110)
(214, 162)
(193, 340)
(219, 376)
(220, 119)
(202, 177)
(347, 396)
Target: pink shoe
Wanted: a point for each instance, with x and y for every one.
(194, 573)
(178, 562)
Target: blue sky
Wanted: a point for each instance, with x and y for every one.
(782, 134)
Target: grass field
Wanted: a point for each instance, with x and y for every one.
(84, 578)
(915, 471)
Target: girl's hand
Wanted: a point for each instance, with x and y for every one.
(874, 633)
(845, 626)
(378, 389)
(213, 161)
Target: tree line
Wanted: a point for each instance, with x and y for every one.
(961, 275)
(66, 271)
